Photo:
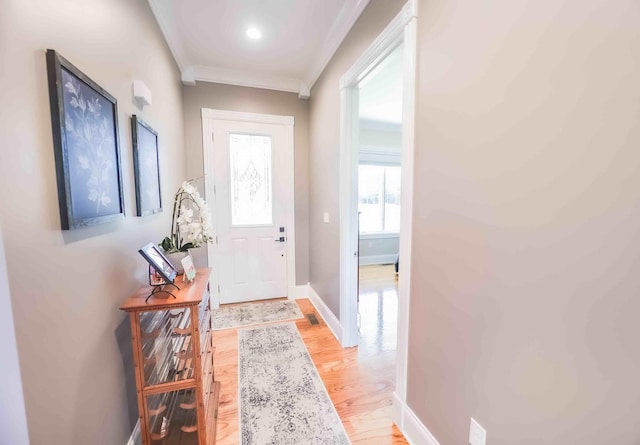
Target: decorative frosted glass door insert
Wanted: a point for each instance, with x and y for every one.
(250, 172)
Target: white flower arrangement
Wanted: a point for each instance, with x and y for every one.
(191, 223)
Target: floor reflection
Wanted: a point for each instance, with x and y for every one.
(378, 309)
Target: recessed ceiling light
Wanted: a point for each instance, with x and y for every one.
(254, 33)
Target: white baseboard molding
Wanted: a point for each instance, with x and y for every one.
(136, 435)
(413, 429)
(326, 314)
(302, 291)
(378, 259)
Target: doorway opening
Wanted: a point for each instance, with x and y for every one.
(400, 33)
(379, 200)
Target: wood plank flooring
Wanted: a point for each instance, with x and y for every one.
(360, 381)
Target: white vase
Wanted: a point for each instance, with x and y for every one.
(175, 258)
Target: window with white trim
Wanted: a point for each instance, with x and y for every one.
(379, 199)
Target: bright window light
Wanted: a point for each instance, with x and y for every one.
(379, 199)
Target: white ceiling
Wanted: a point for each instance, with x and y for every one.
(208, 40)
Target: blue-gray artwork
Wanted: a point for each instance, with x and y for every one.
(91, 150)
(148, 166)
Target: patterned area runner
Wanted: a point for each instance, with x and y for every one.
(255, 313)
(282, 399)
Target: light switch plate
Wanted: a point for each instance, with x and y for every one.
(477, 434)
(325, 217)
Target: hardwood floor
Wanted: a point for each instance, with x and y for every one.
(378, 309)
(360, 381)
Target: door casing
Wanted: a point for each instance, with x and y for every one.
(208, 117)
(403, 28)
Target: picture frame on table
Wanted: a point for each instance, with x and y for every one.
(159, 262)
(84, 121)
(146, 166)
(189, 269)
(155, 279)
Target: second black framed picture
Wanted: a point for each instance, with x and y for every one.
(146, 167)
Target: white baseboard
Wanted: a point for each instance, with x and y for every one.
(326, 314)
(413, 429)
(301, 291)
(136, 435)
(378, 259)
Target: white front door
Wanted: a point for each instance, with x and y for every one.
(253, 179)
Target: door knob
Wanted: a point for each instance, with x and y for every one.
(280, 240)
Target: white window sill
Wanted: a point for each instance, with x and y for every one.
(379, 235)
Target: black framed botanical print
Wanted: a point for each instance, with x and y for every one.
(146, 167)
(84, 120)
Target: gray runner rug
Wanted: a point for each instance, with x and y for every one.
(247, 314)
(282, 400)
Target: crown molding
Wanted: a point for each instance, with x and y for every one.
(244, 79)
(241, 116)
(190, 73)
(170, 34)
(381, 47)
(343, 23)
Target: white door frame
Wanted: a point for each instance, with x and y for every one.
(208, 118)
(401, 29)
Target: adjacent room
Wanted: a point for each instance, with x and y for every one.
(379, 187)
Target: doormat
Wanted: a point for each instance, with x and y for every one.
(247, 314)
(282, 398)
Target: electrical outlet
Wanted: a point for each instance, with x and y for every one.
(477, 434)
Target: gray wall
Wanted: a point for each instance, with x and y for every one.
(66, 287)
(375, 247)
(324, 151)
(13, 418)
(525, 292)
(254, 100)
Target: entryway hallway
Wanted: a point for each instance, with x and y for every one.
(360, 382)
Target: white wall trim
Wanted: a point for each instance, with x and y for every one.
(411, 427)
(209, 116)
(381, 47)
(407, 151)
(302, 291)
(401, 29)
(325, 313)
(378, 259)
(191, 73)
(252, 79)
(345, 20)
(383, 235)
(171, 36)
(349, 242)
(208, 113)
(136, 435)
